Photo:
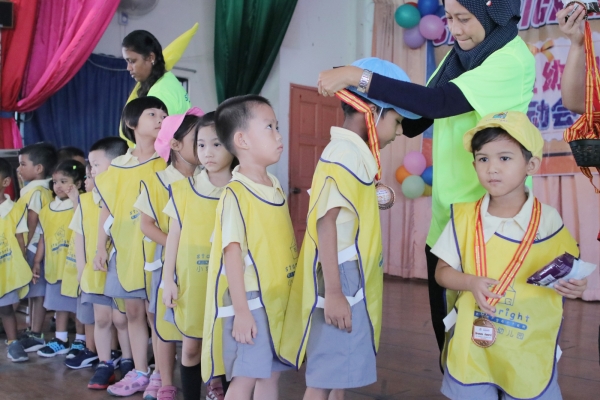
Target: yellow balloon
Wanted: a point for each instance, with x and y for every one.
(427, 191)
(172, 54)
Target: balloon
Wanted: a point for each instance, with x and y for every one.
(402, 174)
(413, 38)
(427, 176)
(431, 27)
(427, 7)
(415, 162)
(441, 11)
(413, 187)
(427, 192)
(413, 3)
(407, 16)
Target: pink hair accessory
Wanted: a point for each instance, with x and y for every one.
(169, 126)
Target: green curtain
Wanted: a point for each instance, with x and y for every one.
(248, 34)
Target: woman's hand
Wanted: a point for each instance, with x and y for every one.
(573, 26)
(480, 287)
(334, 80)
(572, 289)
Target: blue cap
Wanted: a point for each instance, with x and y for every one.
(388, 69)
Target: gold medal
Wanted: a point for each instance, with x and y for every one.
(484, 332)
(385, 196)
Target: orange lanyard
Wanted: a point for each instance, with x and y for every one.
(515, 264)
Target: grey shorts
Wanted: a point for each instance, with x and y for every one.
(454, 390)
(10, 298)
(336, 359)
(85, 312)
(154, 283)
(57, 302)
(247, 360)
(39, 289)
(113, 287)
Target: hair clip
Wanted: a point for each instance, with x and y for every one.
(74, 167)
(489, 3)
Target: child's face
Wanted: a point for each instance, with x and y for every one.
(185, 148)
(61, 184)
(262, 136)
(502, 168)
(89, 180)
(26, 169)
(389, 127)
(211, 152)
(150, 122)
(98, 162)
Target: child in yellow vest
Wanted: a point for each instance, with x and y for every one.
(104, 310)
(192, 209)
(119, 188)
(503, 342)
(36, 163)
(252, 259)
(53, 248)
(174, 144)
(334, 310)
(15, 274)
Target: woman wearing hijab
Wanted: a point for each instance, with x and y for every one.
(489, 69)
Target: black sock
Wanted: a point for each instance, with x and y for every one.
(191, 382)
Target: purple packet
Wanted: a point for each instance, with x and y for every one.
(556, 269)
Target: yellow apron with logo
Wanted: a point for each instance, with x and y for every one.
(92, 282)
(70, 286)
(120, 188)
(272, 252)
(15, 273)
(57, 236)
(528, 318)
(303, 296)
(158, 193)
(198, 214)
(45, 195)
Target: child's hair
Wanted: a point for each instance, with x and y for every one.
(233, 114)
(144, 43)
(43, 154)
(488, 135)
(207, 120)
(349, 110)
(69, 152)
(112, 146)
(73, 169)
(6, 170)
(132, 111)
(189, 124)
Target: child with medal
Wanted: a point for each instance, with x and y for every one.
(502, 333)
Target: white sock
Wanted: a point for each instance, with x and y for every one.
(142, 372)
(80, 337)
(62, 336)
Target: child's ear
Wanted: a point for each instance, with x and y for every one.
(175, 144)
(38, 168)
(533, 165)
(6, 182)
(240, 140)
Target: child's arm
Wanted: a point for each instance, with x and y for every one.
(170, 290)
(151, 231)
(101, 253)
(32, 223)
(244, 326)
(37, 260)
(448, 277)
(337, 309)
(79, 255)
(21, 241)
(572, 289)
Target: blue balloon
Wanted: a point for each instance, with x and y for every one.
(441, 11)
(427, 7)
(427, 175)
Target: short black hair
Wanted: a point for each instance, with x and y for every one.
(189, 124)
(233, 114)
(6, 170)
(43, 154)
(112, 146)
(132, 111)
(488, 135)
(73, 169)
(349, 110)
(68, 152)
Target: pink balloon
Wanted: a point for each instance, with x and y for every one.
(413, 38)
(415, 162)
(431, 27)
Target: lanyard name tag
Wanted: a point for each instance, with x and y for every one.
(484, 332)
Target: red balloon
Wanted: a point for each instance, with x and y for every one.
(413, 3)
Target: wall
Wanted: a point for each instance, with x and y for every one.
(321, 35)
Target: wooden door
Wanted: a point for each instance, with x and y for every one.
(311, 117)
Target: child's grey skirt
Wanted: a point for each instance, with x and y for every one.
(154, 283)
(85, 312)
(113, 287)
(10, 298)
(57, 302)
(39, 289)
(336, 359)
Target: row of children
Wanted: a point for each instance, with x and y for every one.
(209, 255)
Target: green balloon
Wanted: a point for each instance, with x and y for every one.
(407, 16)
(413, 187)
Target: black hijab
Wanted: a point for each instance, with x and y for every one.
(499, 19)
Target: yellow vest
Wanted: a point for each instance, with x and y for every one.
(198, 214)
(119, 188)
(92, 281)
(273, 254)
(57, 236)
(158, 194)
(528, 318)
(45, 195)
(15, 273)
(70, 286)
(303, 296)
